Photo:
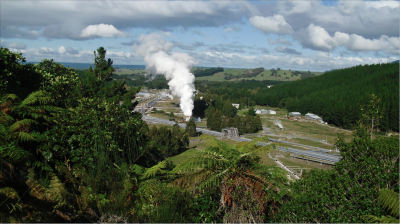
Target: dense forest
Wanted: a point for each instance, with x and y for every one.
(336, 96)
(207, 72)
(72, 151)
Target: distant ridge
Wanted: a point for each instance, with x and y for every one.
(397, 61)
(87, 65)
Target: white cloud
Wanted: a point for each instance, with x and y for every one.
(320, 62)
(68, 54)
(102, 30)
(233, 28)
(273, 24)
(62, 50)
(14, 45)
(318, 38)
(52, 19)
(369, 19)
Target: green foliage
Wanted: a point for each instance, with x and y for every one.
(251, 112)
(334, 96)
(372, 113)
(389, 200)
(351, 189)
(206, 206)
(191, 128)
(228, 109)
(207, 72)
(232, 170)
(16, 78)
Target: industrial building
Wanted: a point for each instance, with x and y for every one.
(310, 116)
(294, 114)
(271, 112)
(229, 133)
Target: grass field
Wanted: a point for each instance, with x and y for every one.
(265, 75)
(125, 71)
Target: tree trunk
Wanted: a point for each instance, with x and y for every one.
(372, 129)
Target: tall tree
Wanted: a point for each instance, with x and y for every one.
(191, 128)
(228, 109)
(252, 111)
(372, 113)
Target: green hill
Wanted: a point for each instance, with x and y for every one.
(336, 96)
(235, 75)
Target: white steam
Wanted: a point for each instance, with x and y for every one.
(278, 123)
(165, 95)
(174, 66)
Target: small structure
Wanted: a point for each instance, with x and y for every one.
(310, 116)
(271, 112)
(236, 105)
(270, 86)
(294, 114)
(229, 133)
(264, 111)
(258, 111)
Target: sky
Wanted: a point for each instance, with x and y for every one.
(298, 35)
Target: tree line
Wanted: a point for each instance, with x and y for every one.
(335, 96)
(207, 72)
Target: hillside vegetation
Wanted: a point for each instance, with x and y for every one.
(257, 74)
(336, 96)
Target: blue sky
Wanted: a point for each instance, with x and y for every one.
(298, 35)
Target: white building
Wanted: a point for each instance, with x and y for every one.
(310, 116)
(271, 112)
(258, 111)
(264, 111)
(294, 114)
(235, 105)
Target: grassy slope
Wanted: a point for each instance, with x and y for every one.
(265, 75)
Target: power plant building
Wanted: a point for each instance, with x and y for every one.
(294, 114)
(310, 116)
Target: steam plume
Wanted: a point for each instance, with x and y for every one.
(174, 66)
(278, 123)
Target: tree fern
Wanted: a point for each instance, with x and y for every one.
(382, 219)
(154, 170)
(389, 200)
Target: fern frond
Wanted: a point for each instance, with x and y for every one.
(382, 219)
(154, 170)
(11, 153)
(370, 219)
(40, 97)
(215, 179)
(389, 200)
(23, 136)
(189, 180)
(7, 97)
(203, 160)
(21, 123)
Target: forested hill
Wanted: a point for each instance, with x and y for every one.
(337, 95)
